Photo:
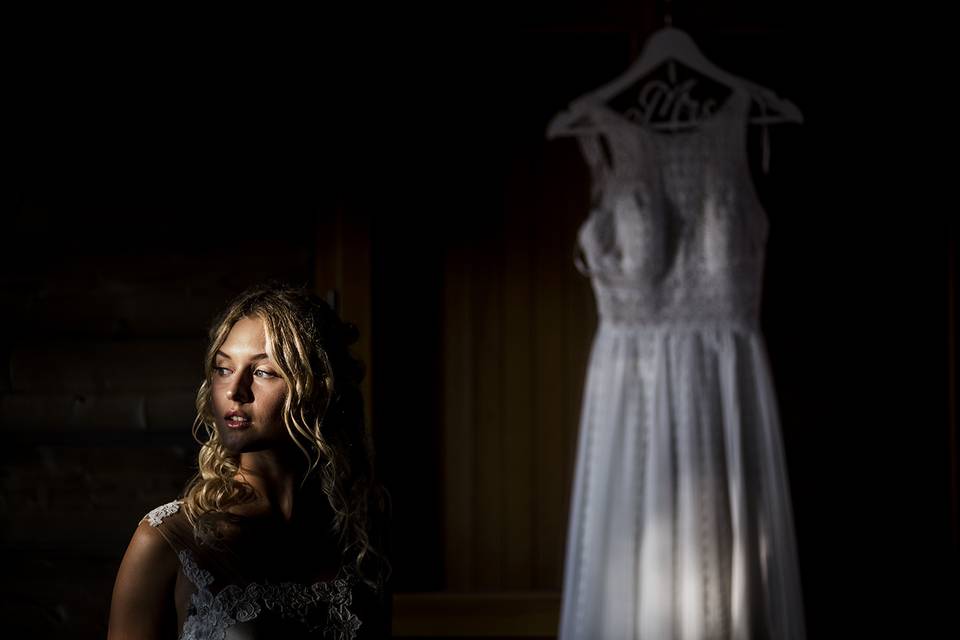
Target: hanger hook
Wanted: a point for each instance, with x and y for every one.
(667, 13)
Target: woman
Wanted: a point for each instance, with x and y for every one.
(278, 534)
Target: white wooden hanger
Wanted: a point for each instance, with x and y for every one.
(666, 44)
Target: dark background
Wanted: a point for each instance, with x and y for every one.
(169, 162)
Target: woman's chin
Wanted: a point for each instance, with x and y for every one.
(236, 441)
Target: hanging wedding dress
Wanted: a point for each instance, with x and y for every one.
(680, 523)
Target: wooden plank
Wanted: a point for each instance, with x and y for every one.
(458, 428)
(504, 614)
(144, 295)
(125, 411)
(72, 412)
(66, 591)
(86, 497)
(342, 264)
(551, 257)
(96, 366)
(488, 391)
(516, 314)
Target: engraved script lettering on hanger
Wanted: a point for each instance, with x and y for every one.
(671, 97)
(659, 102)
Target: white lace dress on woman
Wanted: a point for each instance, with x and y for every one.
(680, 523)
(221, 595)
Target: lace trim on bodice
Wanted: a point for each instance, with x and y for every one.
(676, 231)
(211, 615)
(156, 516)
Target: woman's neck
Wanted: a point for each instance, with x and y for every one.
(276, 475)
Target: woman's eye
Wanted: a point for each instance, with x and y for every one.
(221, 371)
(263, 373)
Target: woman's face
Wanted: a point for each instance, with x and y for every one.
(248, 391)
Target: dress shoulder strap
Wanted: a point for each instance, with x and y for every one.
(156, 516)
(170, 521)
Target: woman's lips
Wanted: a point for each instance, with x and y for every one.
(236, 422)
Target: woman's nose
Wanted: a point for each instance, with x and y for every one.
(241, 391)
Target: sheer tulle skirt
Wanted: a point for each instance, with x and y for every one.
(680, 523)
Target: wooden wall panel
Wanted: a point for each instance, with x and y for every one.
(559, 357)
(343, 266)
(516, 317)
(458, 398)
(489, 519)
(517, 329)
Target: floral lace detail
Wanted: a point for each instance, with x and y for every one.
(157, 515)
(211, 615)
(199, 577)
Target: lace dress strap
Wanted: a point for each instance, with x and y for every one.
(156, 516)
(171, 523)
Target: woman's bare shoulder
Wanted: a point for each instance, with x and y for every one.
(150, 545)
(142, 601)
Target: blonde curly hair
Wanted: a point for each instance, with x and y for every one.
(322, 412)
